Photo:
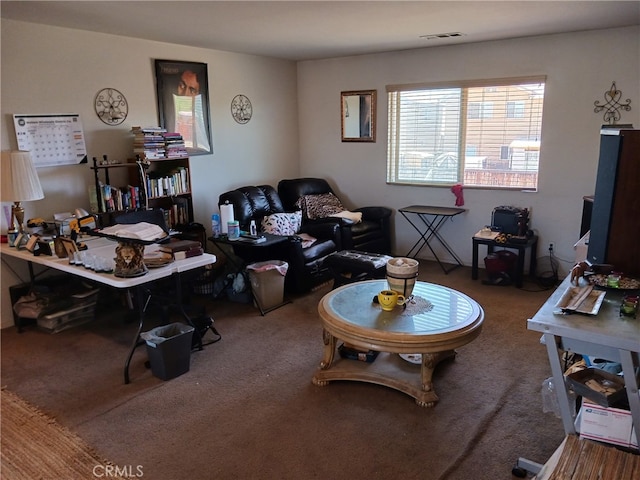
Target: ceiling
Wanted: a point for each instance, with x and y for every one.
(306, 30)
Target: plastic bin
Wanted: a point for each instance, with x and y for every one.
(267, 282)
(169, 349)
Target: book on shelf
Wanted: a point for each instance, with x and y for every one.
(179, 211)
(114, 199)
(167, 184)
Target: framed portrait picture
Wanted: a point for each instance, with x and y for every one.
(183, 102)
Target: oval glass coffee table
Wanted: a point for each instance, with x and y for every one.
(434, 324)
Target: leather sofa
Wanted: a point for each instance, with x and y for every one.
(306, 268)
(372, 234)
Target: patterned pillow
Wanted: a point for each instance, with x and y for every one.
(282, 223)
(320, 206)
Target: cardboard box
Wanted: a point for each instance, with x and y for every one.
(607, 424)
(603, 388)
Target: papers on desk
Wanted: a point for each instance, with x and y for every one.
(138, 231)
(486, 233)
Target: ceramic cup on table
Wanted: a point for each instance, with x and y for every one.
(390, 299)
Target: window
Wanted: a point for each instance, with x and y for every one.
(516, 109)
(481, 134)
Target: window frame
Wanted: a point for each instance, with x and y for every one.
(394, 143)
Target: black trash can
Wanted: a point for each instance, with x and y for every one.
(169, 349)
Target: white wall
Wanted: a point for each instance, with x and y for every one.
(56, 70)
(295, 129)
(579, 68)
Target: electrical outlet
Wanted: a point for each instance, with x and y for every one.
(551, 246)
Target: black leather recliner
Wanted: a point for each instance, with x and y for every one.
(372, 234)
(305, 264)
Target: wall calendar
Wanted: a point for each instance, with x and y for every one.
(52, 139)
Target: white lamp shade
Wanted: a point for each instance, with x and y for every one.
(20, 182)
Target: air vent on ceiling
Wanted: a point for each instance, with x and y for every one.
(434, 36)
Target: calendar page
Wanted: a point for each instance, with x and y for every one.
(51, 139)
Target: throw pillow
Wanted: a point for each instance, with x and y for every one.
(282, 223)
(320, 206)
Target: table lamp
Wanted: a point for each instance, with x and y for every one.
(20, 183)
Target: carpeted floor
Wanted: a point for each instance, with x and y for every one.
(247, 408)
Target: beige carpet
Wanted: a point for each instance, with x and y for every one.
(35, 446)
(247, 409)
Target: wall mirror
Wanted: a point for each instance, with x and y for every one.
(358, 116)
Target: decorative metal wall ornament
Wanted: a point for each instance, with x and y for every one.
(241, 109)
(111, 106)
(612, 106)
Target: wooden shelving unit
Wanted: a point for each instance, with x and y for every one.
(168, 185)
(159, 183)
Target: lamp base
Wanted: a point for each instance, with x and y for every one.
(17, 213)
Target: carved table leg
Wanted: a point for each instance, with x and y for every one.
(429, 363)
(328, 355)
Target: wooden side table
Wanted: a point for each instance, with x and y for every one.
(531, 243)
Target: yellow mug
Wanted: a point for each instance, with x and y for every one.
(388, 299)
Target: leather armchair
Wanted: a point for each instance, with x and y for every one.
(372, 234)
(306, 268)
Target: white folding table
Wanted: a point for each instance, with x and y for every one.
(103, 247)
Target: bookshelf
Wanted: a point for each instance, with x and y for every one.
(159, 177)
(168, 186)
(107, 199)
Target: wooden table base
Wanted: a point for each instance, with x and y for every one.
(388, 370)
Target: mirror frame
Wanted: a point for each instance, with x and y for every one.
(346, 104)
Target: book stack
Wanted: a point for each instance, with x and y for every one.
(174, 145)
(181, 249)
(149, 142)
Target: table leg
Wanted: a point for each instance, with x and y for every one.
(631, 381)
(428, 397)
(564, 404)
(183, 311)
(520, 266)
(423, 239)
(142, 306)
(432, 227)
(533, 262)
(329, 353)
(474, 261)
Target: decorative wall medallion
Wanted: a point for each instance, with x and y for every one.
(111, 106)
(241, 109)
(612, 105)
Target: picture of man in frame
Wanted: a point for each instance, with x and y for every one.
(183, 102)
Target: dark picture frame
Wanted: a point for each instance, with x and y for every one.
(183, 102)
(358, 115)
